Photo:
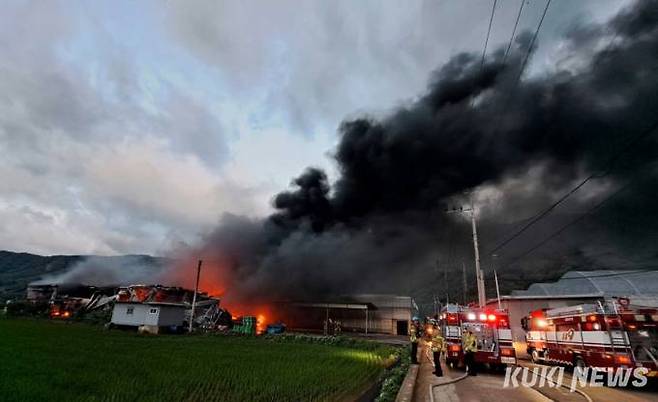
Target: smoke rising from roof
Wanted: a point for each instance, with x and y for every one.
(109, 271)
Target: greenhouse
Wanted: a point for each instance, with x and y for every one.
(599, 283)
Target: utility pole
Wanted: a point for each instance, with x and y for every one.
(493, 268)
(196, 290)
(479, 277)
(445, 281)
(482, 298)
(500, 306)
(464, 281)
(434, 307)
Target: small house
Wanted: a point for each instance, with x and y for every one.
(151, 317)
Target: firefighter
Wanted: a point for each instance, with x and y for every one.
(438, 347)
(413, 338)
(469, 346)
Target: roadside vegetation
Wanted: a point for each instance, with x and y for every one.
(44, 360)
(394, 377)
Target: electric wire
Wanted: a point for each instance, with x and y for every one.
(532, 42)
(486, 41)
(581, 217)
(511, 39)
(609, 165)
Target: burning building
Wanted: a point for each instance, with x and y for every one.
(41, 293)
(154, 307)
(67, 300)
(150, 306)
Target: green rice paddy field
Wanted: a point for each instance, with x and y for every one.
(56, 361)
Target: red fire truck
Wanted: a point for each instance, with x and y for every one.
(609, 334)
(490, 326)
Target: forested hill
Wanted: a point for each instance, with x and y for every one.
(17, 270)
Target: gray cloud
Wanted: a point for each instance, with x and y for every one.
(316, 62)
(88, 165)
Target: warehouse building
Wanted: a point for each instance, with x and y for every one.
(363, 313)
(573, 288)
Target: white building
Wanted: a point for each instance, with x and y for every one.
(152, 316)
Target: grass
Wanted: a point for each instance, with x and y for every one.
(394, 378)
(42, 360)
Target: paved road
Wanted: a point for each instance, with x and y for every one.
(484, 387)
(488, 387)
(602, 394)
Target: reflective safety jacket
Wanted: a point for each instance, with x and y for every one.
(470, 343)
(413, 338)
(438, 343)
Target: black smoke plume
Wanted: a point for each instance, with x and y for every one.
(516, 143)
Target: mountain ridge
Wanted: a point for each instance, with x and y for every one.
(18, 269)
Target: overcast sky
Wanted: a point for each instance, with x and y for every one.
(129, 127)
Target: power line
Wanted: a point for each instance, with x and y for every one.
(471, 100)
(532, 42)
(565, 227)
(511, 39)
(486, 41)
(543, 213)
(571, 223)
(524, 64)
(611, 161)
(512, 89)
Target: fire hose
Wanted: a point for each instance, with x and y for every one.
(457, 379)
(450, 381)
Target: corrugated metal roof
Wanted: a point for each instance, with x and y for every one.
(153, 303)
(602, 282)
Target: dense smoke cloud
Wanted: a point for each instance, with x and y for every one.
(381, 225)
(109, 271)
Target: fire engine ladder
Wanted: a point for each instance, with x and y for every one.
(495, 347)
(613, 340)
(617, 338)
(648, 354)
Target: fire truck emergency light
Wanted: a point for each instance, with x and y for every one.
(471, 316)
(622, 359)
(483, 317)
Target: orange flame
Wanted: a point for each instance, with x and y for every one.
(263, 313)
(215, 279)
(212, 280)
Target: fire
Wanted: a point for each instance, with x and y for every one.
(260, 323)
(216, 280)
(263, 313)
(213, 280)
